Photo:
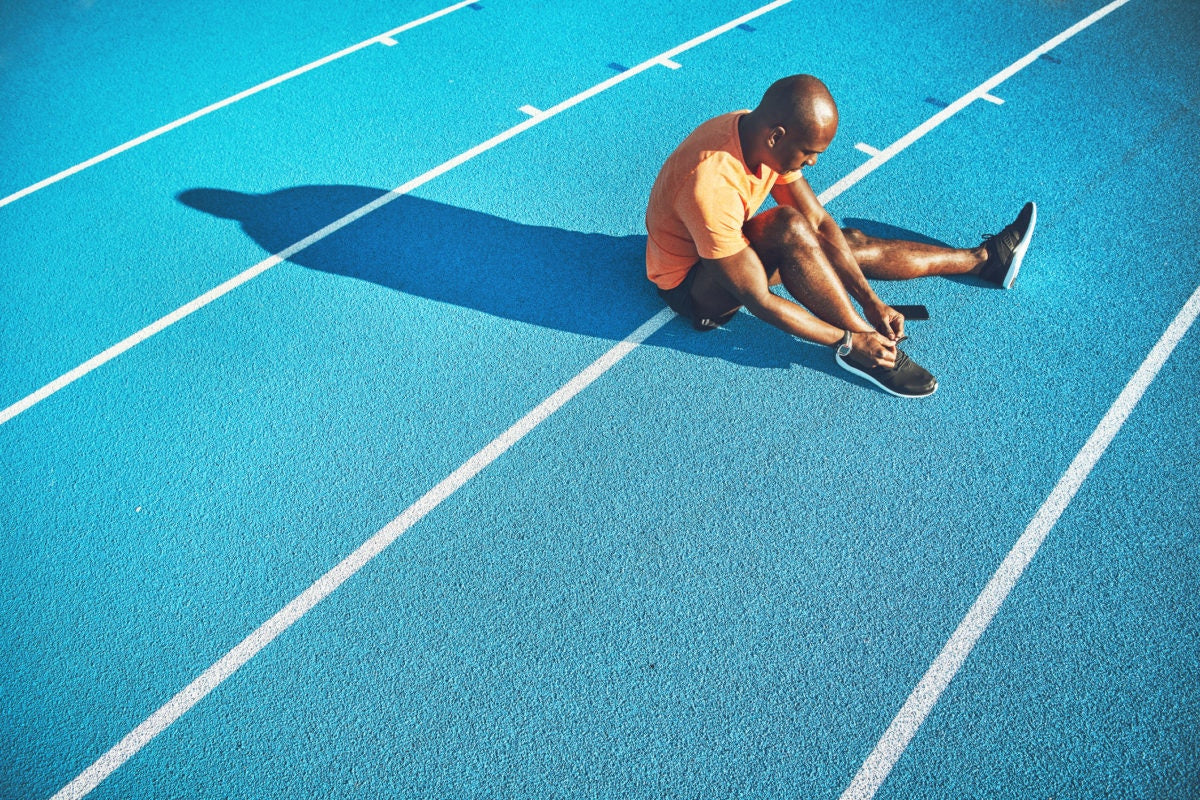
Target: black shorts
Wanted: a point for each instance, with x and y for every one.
(680, 301)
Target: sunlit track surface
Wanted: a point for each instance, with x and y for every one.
(635, 560)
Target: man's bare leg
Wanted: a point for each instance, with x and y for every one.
(792, 255)
(790, 251)
(897, 259)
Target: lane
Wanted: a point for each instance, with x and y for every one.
(385, 38)
(148, 64)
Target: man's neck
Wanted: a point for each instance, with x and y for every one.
(747, 137)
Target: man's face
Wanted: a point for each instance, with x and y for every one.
(799, 148)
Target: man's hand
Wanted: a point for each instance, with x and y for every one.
(886, 319)
(871, 349)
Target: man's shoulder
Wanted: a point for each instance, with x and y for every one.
(713, 147)
(715, 136)
(722, 123)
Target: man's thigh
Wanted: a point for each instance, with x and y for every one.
(701, 299)
(779, 235)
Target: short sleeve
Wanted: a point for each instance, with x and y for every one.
(713, 213)
(789, 177)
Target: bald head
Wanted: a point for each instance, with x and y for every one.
(798, 101)
(795, 120)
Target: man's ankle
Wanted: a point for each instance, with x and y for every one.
(981, 255)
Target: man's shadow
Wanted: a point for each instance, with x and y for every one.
(586, 283)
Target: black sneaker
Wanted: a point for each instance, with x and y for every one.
(906, 379)
(1007, 248)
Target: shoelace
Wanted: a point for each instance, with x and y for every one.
(901, 359)
(1006, 238)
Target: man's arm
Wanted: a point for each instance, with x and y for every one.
(799, 195)
(743, 276)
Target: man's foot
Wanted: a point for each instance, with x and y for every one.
(1007, 248)
(906, 379)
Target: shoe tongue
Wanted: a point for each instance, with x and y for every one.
(901, 358)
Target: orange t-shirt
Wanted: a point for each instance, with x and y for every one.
(702, 197)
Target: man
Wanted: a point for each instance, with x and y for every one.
(709, 255)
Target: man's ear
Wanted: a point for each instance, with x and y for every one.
(775, 135)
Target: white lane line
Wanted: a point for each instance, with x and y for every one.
(27, 402)
(898, 735)
(866, 148)
(962, 102)
(389, 41)
(212, 677)
(669, 64)
(991, 98)
(530, 110)
(195, 115)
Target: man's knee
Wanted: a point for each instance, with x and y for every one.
(782, 226)
(854, 237)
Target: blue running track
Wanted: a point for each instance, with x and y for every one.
(313, 488)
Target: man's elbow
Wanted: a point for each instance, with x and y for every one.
(758, 302)
(826, 224)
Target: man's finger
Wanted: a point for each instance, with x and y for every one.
(886, 355)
